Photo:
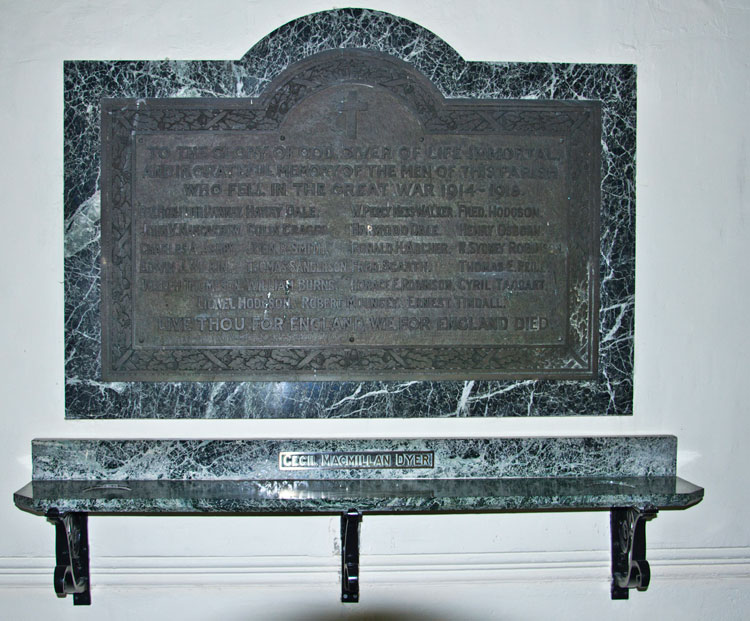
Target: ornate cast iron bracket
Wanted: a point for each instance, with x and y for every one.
(350, 522)
(630, 569)
(72, 551)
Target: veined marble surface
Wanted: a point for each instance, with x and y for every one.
(243, 476)
(381, 496)
(86, 82)
(123, 460)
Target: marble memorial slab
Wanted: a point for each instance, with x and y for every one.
(605, 384)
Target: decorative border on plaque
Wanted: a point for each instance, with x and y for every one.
(575, 122)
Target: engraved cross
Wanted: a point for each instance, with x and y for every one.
(350, 107)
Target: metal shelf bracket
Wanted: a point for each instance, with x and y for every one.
(630, 569)
(350, 522)
(72, 551)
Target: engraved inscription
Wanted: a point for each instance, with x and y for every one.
(290, 460)
(351, 217)
(288, 256)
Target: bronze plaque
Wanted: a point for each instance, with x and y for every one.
(349, 224)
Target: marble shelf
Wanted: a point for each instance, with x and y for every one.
(370, 496)
(631, 477)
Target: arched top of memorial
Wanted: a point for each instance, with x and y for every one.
(356, 67)
(350, 29)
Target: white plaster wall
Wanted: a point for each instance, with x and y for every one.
(692, 337)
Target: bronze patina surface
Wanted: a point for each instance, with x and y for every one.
(351, 223)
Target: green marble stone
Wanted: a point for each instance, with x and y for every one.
(443, 475)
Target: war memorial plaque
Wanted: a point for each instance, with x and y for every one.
(350, 223)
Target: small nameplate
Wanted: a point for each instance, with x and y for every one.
(356, 460)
